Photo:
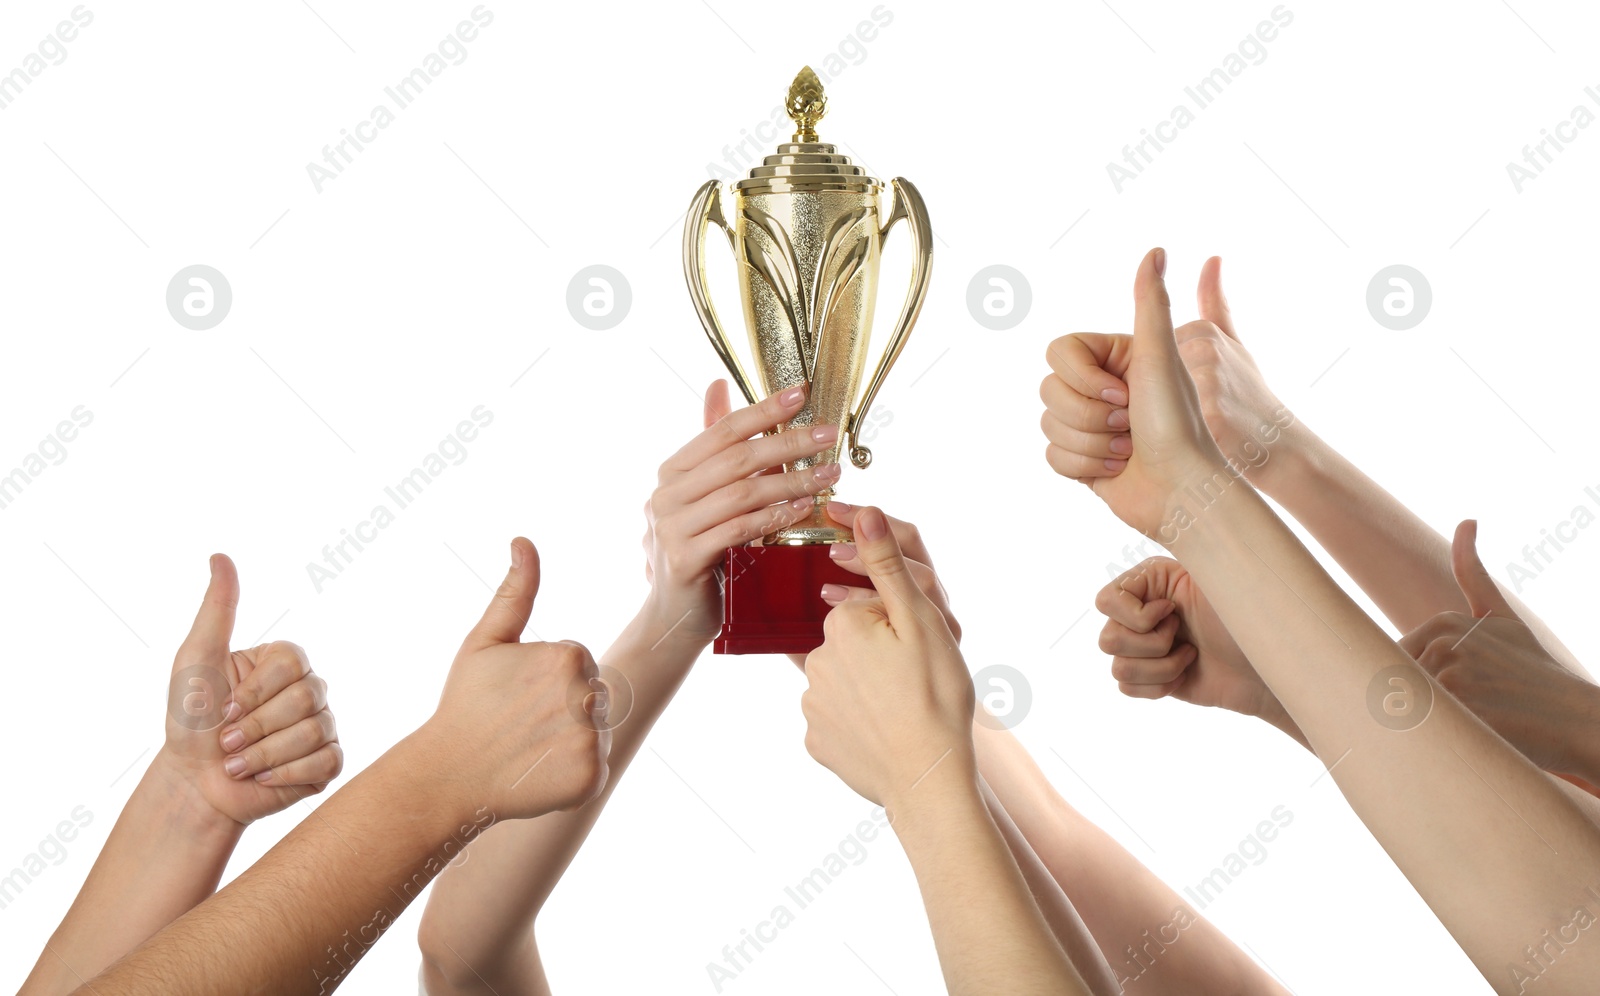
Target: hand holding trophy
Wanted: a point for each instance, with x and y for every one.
(807, 229)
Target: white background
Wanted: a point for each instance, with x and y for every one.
(372, 317)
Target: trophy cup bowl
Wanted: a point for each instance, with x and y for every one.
(807, 229)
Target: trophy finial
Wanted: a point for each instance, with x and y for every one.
(806, 104)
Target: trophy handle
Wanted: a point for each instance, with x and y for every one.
(705, 209)
(908, 205)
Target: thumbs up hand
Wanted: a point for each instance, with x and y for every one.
(1167, 447)
(889, 705)
(1491, 661)
(521, 727)
(249, 730)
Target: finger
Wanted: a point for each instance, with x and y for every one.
(717, 403)
(308, 775)
(738, 426)
(1104, 445)
(751, 526)
(1092, 364)
(748, 458)
(1080, 467)
(277, 666)
(750, 493)
(507, 615)
(1483, 595)
(1134, 691)
(1152, 314)
(834, 594)
(1452, 624)
(302, 698)
(1123, 601)
(293, 742)
(1163, 670)
(904, 602)
(1121, 641)
(1078, 411)
(907, 535)
(1213, 303)
(212, 630)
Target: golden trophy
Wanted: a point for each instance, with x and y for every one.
(807, 230)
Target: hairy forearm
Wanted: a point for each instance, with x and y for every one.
(1059, 913)
(1153, 940)
(990, 936)
(476, 931)
(164, 856)
(1401, 562)
(299, 919)
(1467, 792)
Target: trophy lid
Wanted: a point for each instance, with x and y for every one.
(803, 163)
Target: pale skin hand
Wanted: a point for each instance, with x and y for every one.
(719, 490)
(1494, 664)
(1072, 866)
(174, 837)
(888, 709)
(1401, 562)
(1320, 655)
(503, 744)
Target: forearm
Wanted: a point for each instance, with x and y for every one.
(299, 919)
(1059, 913)
(164, 856)
(1401, 562)
(1465, 792)
(1153, 940)
(989, 934)
(476, 929)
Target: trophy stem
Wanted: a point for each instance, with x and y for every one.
(816, 529)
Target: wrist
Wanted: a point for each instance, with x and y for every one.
(169, 786)
(432, 773)
(679, 624)
(1294, 461)
(944, 794)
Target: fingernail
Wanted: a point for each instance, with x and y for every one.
(234, 766)
(1161, 262)
(824, 433)
(793, 396)
(827, 473)
(842, 551)
(800, 504)
(232, 712)
(1114, 396)
(1116, 464)
(1121, 444)
(232, 740)
(264, 775)
(842, 507)
(1118, 419)
(872, 524)
(832, 593)
(516, 555)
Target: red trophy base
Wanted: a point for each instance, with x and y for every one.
(772, 598)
